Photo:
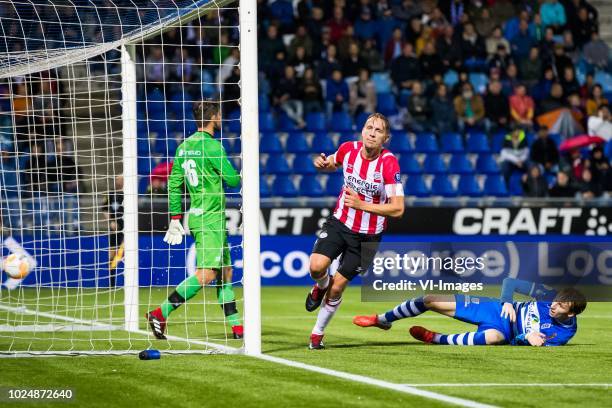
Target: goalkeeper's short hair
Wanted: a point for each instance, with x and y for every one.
(203, 111)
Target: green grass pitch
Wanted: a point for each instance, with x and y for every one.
(235, 380)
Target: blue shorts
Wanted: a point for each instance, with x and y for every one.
(483, 312)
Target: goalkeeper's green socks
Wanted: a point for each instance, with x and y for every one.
(227, 300)
(183, 292)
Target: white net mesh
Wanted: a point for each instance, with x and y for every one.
(62, 142)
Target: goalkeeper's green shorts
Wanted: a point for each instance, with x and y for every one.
(212, 249)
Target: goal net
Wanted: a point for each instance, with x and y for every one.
(95, 98)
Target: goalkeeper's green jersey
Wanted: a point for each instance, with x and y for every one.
(200, 162)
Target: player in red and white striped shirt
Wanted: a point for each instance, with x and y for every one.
(372, 192)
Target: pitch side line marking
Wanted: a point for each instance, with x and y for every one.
(510, 385)
(406, 389)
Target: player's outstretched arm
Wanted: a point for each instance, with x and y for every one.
(394, 208)
(325, 163)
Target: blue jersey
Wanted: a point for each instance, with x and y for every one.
(535, 317)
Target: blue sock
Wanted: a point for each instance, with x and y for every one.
(461, 339)
(409, 308)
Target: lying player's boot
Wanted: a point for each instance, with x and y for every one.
(157, 321)
(422, 334)
(371, 321)
(315, 297)
(316, 342)
(238, 331)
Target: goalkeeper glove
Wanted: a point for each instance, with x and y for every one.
(174, 235)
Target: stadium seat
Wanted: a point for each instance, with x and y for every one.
(341, 121)
(468, 186)
(479, 81)
(233, 122)
(434, 164)
(144, 166)
(334, 184)
(460, 164)
(264, 187)
(608, 149)
(171, 146)
(310, 187)
(409, 164)
(302, 164)
(498, 141)
(605, 79)
(495, 186)
(315, 121)
(349, 137)
(264, 103)
(415, 186)
(266, 122)
(277, 164)
(451, 78)
(515, 184)
(442, 186)
(451, 142)
(382, 82)
(143, 184)
(283, 186)
(386, 104)
(478, 142)
(227, 143)
(426, 143)
(323, 143)
(286, 124)
(400, 143)
(270, 143)
(361, 120)
(486, 164)
(297, 143)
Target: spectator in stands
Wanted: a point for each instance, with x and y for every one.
(569, 82)
(547, 47)
(437, 22)
(600, 168)
(449, 49)
(553, 15)
(484, 24)
(330, 63)
(586, 88)
(522, 108)
(511, 80)
(225, 70)
(589, 187)
(443, 117)
(531, 67)
(562, 187)
(501, 59)
(11, 178)
(601, 124)
(584, 28)
(454, 10)
(282, 11)
(36, 171)
(542, 89)
(353, 63)
(514, 153)
(561, 60)
(63, 169)
(418, 109)
(46, 110)
(595, 100)
(311, 91)
(472, 45)
(495, 40)
(414, 31)
(155, 73)
(362, 94)
(395, 45)
(269, 46)
(231, 91)
(159, 178)
(496, 107)
(572, 11)
(287, 96)
(534, 183)
(315, 26)
(554, 100)
(431, 63)
(182, 66)
(577, 111)
(300, 61)
(596, 52)
(301, 39)
(469, 108)
(365, 27)
(544, 151)
(371, 56)
(344, 43)
(406, 10)
(337, 24)
(571, 50)
(537, 30)
(113, 211)
(463, 78)
(405, 69)
(337, 93)
(522, 42)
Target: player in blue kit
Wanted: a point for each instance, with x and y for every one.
(549, 320)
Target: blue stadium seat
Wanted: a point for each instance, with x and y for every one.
(434, 164)
(143, 184)
(361, 120)
(227, 144)
(468, 186)
(285, 123)
(323, 143)
(266, 122)
(171, 146)
(315, 121)
(415, 186)
(442, 186)
(451, 78)
(605, 79)
(486, 164)
(264, 187)
(386, 104)
(341, 121)
(515, 184)
(334, 184)
(409, 164)
(144, 145)
(349, 137)
(270, 143)
(498, 141)
(478, 142)
(233, 122)
(302, 164)
(451, 142)
(608, 149)
(283, 186)
(277, 164)
(310, 187)
(382, 82)
(479, 81)
(426, 143)
(181, 104)
(264, 103)
(400, 143)
(495, 186)
(460, 164)
(556, 137)
(144, 166)
(297, 143)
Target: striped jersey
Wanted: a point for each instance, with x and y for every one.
(534, 317)
(374, 180)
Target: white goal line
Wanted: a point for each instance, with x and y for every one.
(605, 385)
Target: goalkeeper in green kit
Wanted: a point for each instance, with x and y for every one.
(201, 164)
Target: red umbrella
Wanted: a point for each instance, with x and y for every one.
(579, 142)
